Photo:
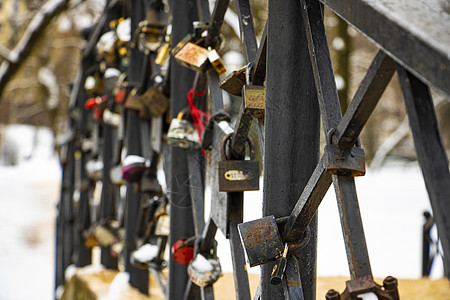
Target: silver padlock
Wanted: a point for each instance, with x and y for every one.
(183, 134)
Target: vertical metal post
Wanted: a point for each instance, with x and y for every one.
(107, 201)
(181, 219)
(291, 131)
(138, 277)
(431, 154)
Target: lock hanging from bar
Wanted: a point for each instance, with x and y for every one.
(204, 271)
(182, 133)
(238, 175)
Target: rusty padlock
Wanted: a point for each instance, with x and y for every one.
(183, 250)
(238, 175)
(192, 56)
(204, 271)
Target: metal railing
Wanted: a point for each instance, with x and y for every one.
(287, 88)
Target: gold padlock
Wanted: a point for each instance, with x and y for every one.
(163, 53)
(193, 57)
(216, 61)
(234, 82)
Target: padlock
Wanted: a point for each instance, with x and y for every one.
(216, 61)
(144, 255)
(162, 226)
(111, 118)
(238, 175)
(164, 50)
(193, 57)
(133, 167)
(254, 97)
(106, 46)
(155, 103)
(182, 133)
(104, 234)
(183, 251)
(234, 82)
(345, 161)
(279, 268)
(94, 169)
(115, 174)
(204, 271)
(149, 36)
(163, 53)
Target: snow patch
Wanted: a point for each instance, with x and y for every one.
(146, 253)
(118, 286)
(71, 270)
(201, 264)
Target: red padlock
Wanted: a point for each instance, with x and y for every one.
(93, 102)
(120, 96)
(183, 251)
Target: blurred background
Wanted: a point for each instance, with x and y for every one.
(35, 85)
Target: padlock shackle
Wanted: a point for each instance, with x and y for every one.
(225, 142)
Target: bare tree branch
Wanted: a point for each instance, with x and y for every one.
(37, 26)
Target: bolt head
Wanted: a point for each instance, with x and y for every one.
(390, 283)
(332, 295)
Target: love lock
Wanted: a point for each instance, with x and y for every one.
(238, 175)
(345, 161)
(182, 133)
(203, 271)
(132, 168)
(144, 255)
(155, 103)
(261, 240)
(183, 251)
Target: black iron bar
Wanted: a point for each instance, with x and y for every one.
(196, 166)
(248, 37)
(321, 64)
(352, 228)
(241, 284)
(138, 277)
(216, 21)
(259, 66)
(292, 127)
(431, 154)
(181, 218)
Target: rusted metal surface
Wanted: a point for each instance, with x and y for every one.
(345, 161)
(261, 240)
(365, 286)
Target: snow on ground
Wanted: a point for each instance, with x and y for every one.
(29, 192)
(392, 201)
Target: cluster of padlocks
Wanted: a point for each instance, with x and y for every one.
(98, 138)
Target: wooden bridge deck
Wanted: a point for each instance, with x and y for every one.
(93, 286)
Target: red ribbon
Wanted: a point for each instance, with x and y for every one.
(199, 117)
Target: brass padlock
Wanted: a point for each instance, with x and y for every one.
(154, 103)
(183, 134)
(234, 82)
(216, 61)
(193, 57)
(238, 175)
(163, 53)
